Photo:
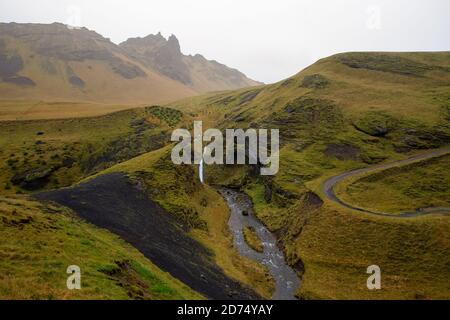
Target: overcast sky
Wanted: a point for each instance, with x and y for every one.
(268, 40)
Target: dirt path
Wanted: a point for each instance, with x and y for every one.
(329, 184)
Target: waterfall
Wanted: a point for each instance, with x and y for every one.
(200, 170)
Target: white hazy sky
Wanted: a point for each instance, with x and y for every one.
(268, 40)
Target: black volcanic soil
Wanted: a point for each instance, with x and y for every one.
(114, 202)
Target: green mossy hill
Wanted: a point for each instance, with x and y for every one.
(344, 112)
(46, 154)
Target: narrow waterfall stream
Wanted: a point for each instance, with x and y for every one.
(200, 171)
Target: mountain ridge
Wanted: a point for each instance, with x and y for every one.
(57, 63)
(196, 71)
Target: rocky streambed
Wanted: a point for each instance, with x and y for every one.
(242, 215)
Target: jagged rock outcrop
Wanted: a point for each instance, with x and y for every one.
(196, 71)
(160, 54)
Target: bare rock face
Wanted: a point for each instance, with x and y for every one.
(312, 199)
(32, 179)
(169, 61)
(10, 65)
(76, 81)
(59, 43)
(166, 57)
(56, 40)
(20, 81)
(160, 54)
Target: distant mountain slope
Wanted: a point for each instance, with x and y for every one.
(53, 62)
(165, 56)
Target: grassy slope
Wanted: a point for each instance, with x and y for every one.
(337, 246)
(419, 185)
(74, 148)
(344, 112)
(40, 241)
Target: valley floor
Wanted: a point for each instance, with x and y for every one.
(12, 110)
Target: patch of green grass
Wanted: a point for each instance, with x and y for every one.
(376, 124)
(252, 239)
(314, 81)
(385, 62)
(336, 247)
(168, 115)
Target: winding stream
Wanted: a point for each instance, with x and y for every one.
(286, 280)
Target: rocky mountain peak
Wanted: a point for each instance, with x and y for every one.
(173, 43)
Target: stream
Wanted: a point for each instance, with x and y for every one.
(286, 280)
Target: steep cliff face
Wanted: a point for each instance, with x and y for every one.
(162, 55)
(165, 56)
